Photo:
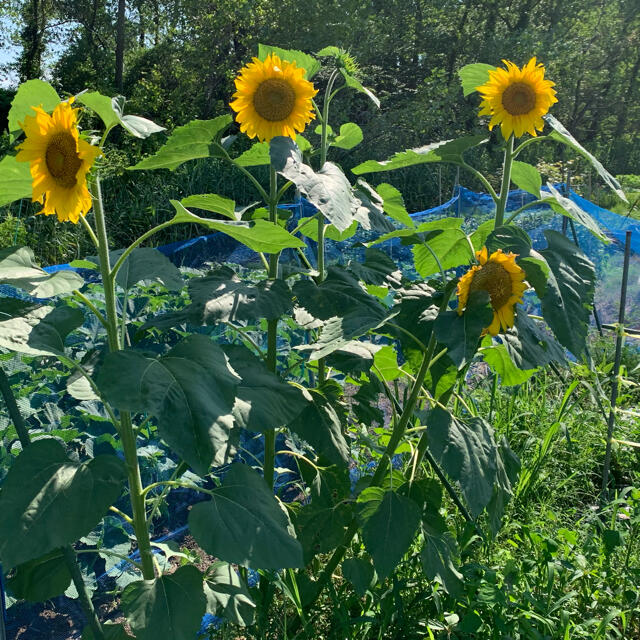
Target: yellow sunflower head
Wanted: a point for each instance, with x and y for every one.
(60, 161)
(516, 99)
(500, 276)
(273, 98)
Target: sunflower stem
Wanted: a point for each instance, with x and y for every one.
(272, 330)
(126, 431)
(506, 182)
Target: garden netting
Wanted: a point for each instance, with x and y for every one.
(474, 208)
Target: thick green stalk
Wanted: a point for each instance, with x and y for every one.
(506, 181)
(272, 331)
(67, 551)
(126, 433)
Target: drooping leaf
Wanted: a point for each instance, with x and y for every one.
(354, 358)
(32, 93)
(191, 391)
(461, 333)
(18, 269)
(37, 330)
(48, 500)
(377, 268)
(466, 451)
(263, 400)
(319, 424)
(187, 142)
(526, 177)
(354, 83)
(171, 606)
(569, 292)
(359, 572)
(41, 579)
(444, 151)
(15, 180)
(367, 208)
(261, 235)
(509, 238)
(350, 136)
(567, 207)
(561, 134)
(389, 523)
(531, 346)
(146, 264)
(393, 204)
(474, 75)
(102, 106)
(302, 60)
(243, 523)
(227, 595)
(438, 554)
(328, 189)
(498, 359)
(506, 480)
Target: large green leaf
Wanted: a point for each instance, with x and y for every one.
(48, 500)
(530, 346)
(257, 155)
(328, 189)
(320, 524)
(424, 230)
(319, 424)
(212, 202)
(443, 151)
(354, 358)
(567, 207)
(389, 523)
(561, 134)
(260, 235)
(506, 480)
(171, 606)
(377, 268)
(302, 60)
(227, 595)
(498, 358)
(360, 573)
(438, 554)
(18, 268)
(466, 451)
(474, 75)
(28, 328)
(41, 579)
(15, 180)
(243, 523)
(191, 391)
(146, 264)
(569, 294)
(393, 204)
(451, 248)
(32, 93)
(102, 106)
(188, 142)
(222, 296)
(526, 177)
(263, 400)
(460, 333)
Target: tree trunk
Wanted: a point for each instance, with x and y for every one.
(120, 24)
(32, 35)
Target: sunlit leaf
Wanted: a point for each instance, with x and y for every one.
(474, 75)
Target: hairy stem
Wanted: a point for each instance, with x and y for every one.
(506, 181)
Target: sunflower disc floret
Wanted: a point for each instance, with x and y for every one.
(60, 161)
(500, 276)
(272, 98)
(516, 99)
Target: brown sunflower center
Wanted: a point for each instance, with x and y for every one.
(62, 159)
(494, 279)
(518, 98)
(274, 99)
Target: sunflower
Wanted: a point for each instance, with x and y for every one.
(60, 161)
(273, 98)
(502, 278)
(516, 99)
